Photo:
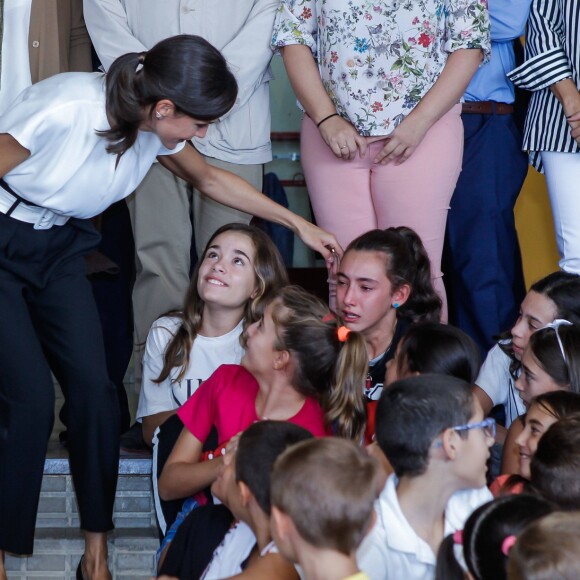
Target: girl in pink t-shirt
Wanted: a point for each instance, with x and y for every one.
(301, 365)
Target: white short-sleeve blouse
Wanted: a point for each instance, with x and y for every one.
(69, 170)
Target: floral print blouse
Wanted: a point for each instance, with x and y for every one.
(378, 59)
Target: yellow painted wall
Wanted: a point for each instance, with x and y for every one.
(536, 229)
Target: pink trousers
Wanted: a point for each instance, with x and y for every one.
(352, 197)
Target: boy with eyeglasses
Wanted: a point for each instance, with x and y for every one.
(433, 432)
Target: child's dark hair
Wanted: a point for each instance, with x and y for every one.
(558, 404)
(438, 348)
(259, 447)
(563, 289)
(548, 549)
(484, 534)
(406, 263)
(327, 368)
(555, 467)
(185, 69)
(270, 276)
(414, 411)
(327, 487)
(564, 368)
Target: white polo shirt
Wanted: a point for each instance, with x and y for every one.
(69, 170)
(496, 380)
(394, 551)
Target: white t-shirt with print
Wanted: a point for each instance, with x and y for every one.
(207, 354)
(69, 170)
(393, 551)
(495, 379)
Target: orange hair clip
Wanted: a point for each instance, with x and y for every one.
(343, 333)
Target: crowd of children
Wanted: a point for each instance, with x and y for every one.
(357, 444)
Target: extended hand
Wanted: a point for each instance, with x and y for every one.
(320, 241)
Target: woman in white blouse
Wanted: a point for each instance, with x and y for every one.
(382, 138)
(69, 147)
(552, 131)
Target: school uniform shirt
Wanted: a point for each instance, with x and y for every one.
(393, 550)
(497, 382)
(69, 170)
(206, 355)
(552, 54)
(378, 59)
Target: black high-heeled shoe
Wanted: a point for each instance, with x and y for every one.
(80, 575)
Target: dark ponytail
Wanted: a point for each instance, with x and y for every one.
(185, 69)
(448, 567)
(485, 532)
(407, 263)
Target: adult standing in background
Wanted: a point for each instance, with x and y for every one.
(40, 38)
(240, 143)
(552, 130)
(482, 260)
(382, 138)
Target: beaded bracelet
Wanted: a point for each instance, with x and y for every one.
(326, 119)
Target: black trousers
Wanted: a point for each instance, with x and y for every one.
(49, 322)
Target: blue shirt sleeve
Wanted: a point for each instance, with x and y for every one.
(508, 18)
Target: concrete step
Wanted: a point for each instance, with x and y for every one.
(133, 504)
(57, 552)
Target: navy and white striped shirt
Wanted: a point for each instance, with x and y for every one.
(552, 53)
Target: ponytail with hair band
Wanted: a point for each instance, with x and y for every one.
(507, 545)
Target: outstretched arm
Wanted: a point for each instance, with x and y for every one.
(229, 189)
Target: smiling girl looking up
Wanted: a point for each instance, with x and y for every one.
(239, 271)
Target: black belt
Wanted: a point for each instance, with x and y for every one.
(18, 199)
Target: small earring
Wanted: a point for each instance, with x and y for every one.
(396, 305)
(158, 115)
